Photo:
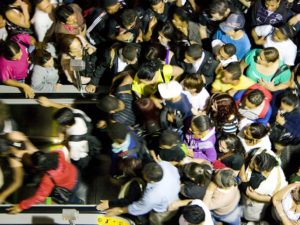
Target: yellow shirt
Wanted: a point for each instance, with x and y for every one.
(146, 90)
(244, 83)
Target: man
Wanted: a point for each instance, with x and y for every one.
(163, 186)
(231, 79)
(279, 38)
(231, 31)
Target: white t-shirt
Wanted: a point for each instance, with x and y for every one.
(264, 143)
(199, 100)
(208, 219)
(287, 49)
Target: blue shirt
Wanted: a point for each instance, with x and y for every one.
(159, 195)
(242, 45)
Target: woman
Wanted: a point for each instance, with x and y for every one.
(14, 63)
(232, 152)
(222, 197)
(264, 67)
(255, 135)
(56, 172)
(15, 148)
(201, 138)
(286, 204)
(223, 111)
(17, 16)
(45, 75)
(261, 178)
(158, 51)
(77, 48)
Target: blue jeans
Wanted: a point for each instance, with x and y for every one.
(233, 218)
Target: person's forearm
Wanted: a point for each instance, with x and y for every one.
(260, 198)
(18, 175)
(26, 17)
(14, 83)
(281, 86)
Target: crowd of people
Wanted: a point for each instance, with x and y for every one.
(202, 111)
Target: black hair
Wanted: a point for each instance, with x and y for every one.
(229, 49)
(256, 97)
(265, 161)
(63, 12)
(168, 137)
(258, 130)
(8, 49)
(108, 103)
(129, 52)
(182, 14)
(65, 43)
(194, 81)
(152, 172)
(233, 142)
(234, 69)
(227, 178)
(154, 2)
(167, 29)
(155, 51)
(128, 16)
(290, 99)
(194, 51)
(117, 131)
(41, 56)
(36, 2)
(45, 161)
(200, 174)
(202, 122)
(148, 69)
(65, 117)
(218, 6)
(193, 214)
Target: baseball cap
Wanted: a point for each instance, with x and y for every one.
(233, 21)
(169, 90)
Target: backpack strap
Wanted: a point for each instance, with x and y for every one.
(279, 71)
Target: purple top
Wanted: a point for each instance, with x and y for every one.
(203, 148)
(16, 69)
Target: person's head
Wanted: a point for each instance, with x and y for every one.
(226, 51)
(263, 162)
(64, 117)
(230, 143)
(157, 6)
(272, 5)
(112, 6)
(222, 108)
(43, 58)
(130, 166)
(43, 5)
(192, 214)
(192, 53)
(44, 161)
(166, 33)
(255, 132)
(128, 18)
(66, 14)
(10, 50)
(110, 104)
(233, 23)
(168, 139)
(253, 99)
(155, 51)
(218, 10)
(225, 178)
(152, 172)
(289, 101)
(200, 126)
(267, 56)
(70, 44)
(129, 54)
(193, 83)
(200, 174)
(117, 132)
(180, 18)
(231, 73)
(147, 71)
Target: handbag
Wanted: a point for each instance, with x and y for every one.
(59, 194)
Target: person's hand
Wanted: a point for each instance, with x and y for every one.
(28, 91)
(15, 209)
(294, 20)
(126, 36)
(44, 101)
(90, 88)
(103, 205)
(261, 41)
(268, 85)
(174, 206)
(114, 211)
(101, 124)
(280, 119)
(57, 86)
(2, 199)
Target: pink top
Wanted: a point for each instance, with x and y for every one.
(16, 69)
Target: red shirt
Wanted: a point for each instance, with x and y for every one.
(65, 176)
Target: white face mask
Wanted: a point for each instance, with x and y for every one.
(117, 148)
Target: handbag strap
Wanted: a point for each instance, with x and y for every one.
(51, 177)
(280, 70)
(162, 73)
